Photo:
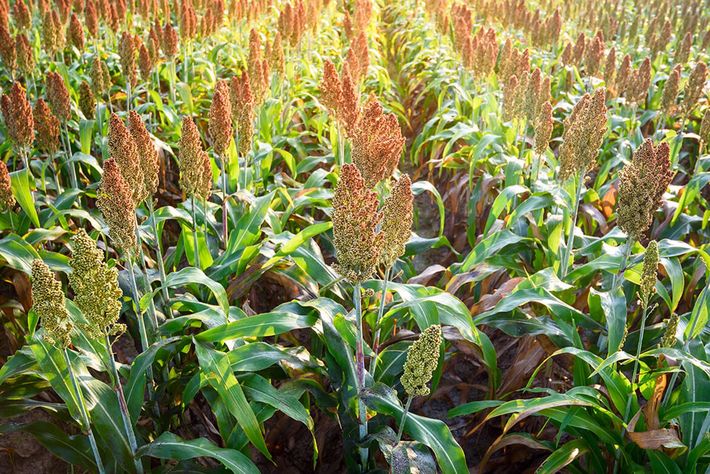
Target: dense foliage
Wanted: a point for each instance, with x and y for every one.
(329, 236)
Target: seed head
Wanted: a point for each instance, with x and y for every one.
(191, 159)
(278, 62)
(610, 69)
(355, 220)
(76, 32)
(7, 200)
(128, 50)
(648, 274)
(7, 49)
(95, 286)
(22, 15)
(58, 96)
(220, 124)
(624, 76)
(145, 61)
(377, 143)
(100, 78)
(593, 56)
(349, 108)
(510, 94)
(123, 149)
(637, 90)
(670, 91)
(17, 112)
(543, 128)
(705, 127)
(422, 359)
(87, 101)
(331, 90)
(115, 202)
(91, 18)
(242, 101)
(47, 128)
(683, 51)
(48, 303)
(583, 135)
(204, 187)
(397, 221)
(642, 184)
(149, 163)
(25, 55)
(170, 41)
(694, 87)
(669, 336)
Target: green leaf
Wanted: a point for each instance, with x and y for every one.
(171, 447)
(20, 183)
(613, 306)
(18, 253)
(192, 275)
(563, 456)
(433, 433)
(216, 369)
(262, 325)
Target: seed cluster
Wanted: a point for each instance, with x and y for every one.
(377, 143)
(355, 220)
(220, 125)
(115, 201)
(47, 126)
(7, 200)
(648, 274)
(642, 184)
(583, 135)
(397, 217)
(422, 359)
(17, 112)
(149, 164)
(95, 286)
(48, 304)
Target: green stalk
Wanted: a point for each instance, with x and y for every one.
(118, 388)
(172, 74)
(404, 419)
(194, 232)
(159, 255)
(70, 165)
(84, 414)
(634, 373)
(148, 288)
(622, 267)
(360, 370)
(570, 238)
(380, 312)
(225, 230)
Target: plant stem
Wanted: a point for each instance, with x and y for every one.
(570, 238)
(404, 419)
(118, 388)
(194, 232)
(622, 267)
(225, 229)
(634, 373)
(70, 165)
(360, 369)
(159, 255)
(84, 414)
(380, 312)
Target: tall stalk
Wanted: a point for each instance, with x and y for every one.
(70, 165)
(634, 373)
(125, 417)
(194, 232)
(622, 266)
(84, 414)
(360, 372)
(159, 255)
(225, 229)
(564, 264)
(404, 419)
(380, 312)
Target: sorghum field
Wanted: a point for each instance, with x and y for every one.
(354, 236)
